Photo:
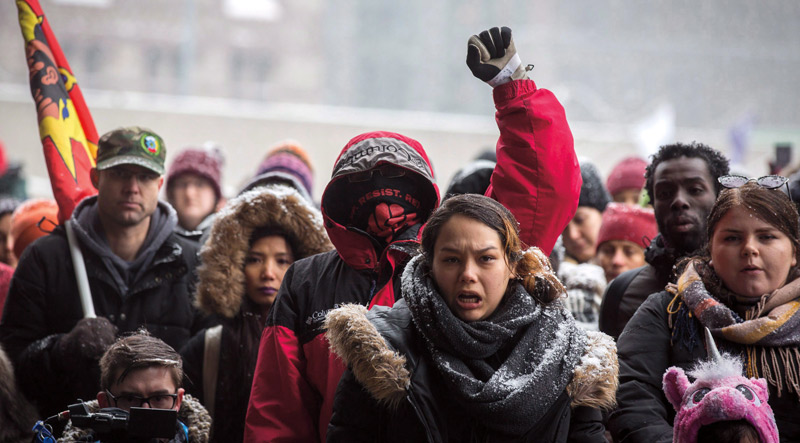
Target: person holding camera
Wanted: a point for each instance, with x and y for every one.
(140, 371)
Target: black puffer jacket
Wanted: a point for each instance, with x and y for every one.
(645, 352)
(407, 400)
(43, 304)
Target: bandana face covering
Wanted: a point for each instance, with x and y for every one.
(384, 207)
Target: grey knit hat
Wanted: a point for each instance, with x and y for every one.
(593, 192)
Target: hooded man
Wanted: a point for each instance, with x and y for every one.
(139, 274)
(380, 194)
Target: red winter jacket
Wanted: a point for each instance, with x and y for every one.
(537, 177)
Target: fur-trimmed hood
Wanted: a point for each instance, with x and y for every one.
(191, 413)
(385, 375)
(221, 284)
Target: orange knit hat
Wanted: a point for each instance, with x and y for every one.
(25, 222)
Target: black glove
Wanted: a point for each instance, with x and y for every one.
(492, 57)
(87, 341)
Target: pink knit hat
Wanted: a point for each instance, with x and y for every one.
(629, 173)
(205, 162)
(628, 222)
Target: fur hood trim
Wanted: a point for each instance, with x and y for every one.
(595, 379)
(378, 368)
(221, 284)
(383, 373)
(192, 414)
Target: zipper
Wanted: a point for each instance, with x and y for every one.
(412, 401)
(372, 287)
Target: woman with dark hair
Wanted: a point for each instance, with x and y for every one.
(745, 289)
(253, 241)
(479, 347)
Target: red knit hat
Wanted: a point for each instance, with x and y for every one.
(628, 222)
(205, 162)
(25, 227)
(629, 173)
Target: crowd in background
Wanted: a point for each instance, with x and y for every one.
(283, 317)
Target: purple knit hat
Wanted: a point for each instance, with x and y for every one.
(285, 162)
(206, 162)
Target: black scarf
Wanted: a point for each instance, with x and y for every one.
(535, 349)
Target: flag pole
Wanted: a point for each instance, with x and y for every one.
(80, 272)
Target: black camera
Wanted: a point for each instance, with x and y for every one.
(118, 425)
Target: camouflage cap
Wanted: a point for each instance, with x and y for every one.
(131, 146)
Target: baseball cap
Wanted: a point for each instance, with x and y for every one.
(131, 146)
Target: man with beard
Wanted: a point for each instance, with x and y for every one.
(681, 182)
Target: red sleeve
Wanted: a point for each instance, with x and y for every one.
(282, 403)
(537, 176)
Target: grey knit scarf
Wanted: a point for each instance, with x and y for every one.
(537, 346)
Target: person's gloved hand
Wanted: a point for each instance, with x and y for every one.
(492, 57)
(87, 341)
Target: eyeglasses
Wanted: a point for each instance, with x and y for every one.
(387, 170)
(766, 182)
(159, 401)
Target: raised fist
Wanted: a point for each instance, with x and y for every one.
(492, 57)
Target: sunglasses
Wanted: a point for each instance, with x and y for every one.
(766, 182)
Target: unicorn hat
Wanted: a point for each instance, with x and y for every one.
(719, 393)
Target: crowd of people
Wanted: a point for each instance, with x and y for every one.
(534, 302)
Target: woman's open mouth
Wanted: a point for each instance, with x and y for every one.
(468, 300)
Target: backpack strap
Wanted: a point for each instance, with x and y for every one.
(213, 339)
(609, 308)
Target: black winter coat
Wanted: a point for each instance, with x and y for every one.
(645, 353)
(629, 290)
(221, 290)
(43, 304)
(427, 414)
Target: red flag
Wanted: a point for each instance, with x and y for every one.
(68, 135)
